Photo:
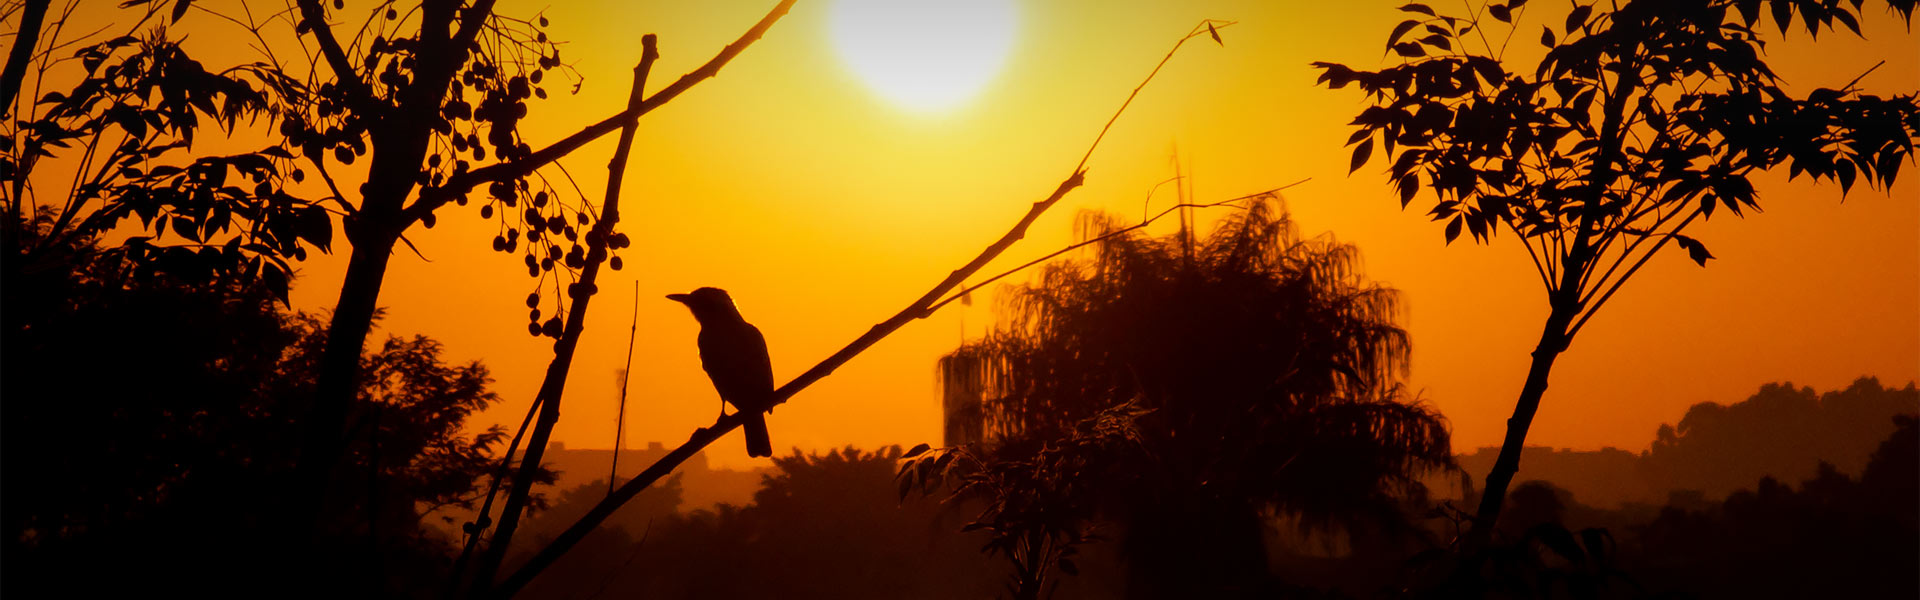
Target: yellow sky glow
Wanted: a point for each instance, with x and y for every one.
(824, 204)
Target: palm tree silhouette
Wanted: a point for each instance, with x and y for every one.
(1267, 367)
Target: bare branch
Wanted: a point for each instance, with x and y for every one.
(1595, 307)
(434, 197)
(315, 18)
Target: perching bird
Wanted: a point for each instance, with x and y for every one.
(735, 356)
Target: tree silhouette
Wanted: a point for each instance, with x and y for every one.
(146, 419)
(1641, 118)
(1835, 536)
(1263, 368)
(123, 133)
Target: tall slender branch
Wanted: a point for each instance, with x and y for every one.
(555, 383)
(314, 16)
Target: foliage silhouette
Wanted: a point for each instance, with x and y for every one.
(146, 420)
(125, 131)
(1641, 118)
(1836, 536)
(1263, 368)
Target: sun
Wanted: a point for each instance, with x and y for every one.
(924, 55)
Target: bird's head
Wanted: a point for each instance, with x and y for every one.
(708, 304)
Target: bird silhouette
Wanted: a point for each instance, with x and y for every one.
(734, 355)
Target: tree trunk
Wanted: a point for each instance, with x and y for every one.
(1567, 304)
(32, 15)
(1553, 341)
(321, 440)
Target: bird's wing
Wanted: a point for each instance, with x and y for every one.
(736, 359)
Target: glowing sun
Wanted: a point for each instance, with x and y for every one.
(925, 55)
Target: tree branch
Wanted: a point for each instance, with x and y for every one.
(434, 197)
(315, 17)
(1595, 307)
(31, 16)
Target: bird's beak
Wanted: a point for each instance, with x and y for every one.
(681, 298)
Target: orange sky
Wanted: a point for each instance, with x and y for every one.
(824, 209)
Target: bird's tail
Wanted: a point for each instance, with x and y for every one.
(757, 443)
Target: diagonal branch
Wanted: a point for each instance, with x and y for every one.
(314, 16)
(434, 197)
(705, 436)
(25, 38)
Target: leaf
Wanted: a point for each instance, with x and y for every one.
(1695, 250)
(315, 227)
(916, 451)
(1419, 8)
(1578, 17)
(1499, 11)
(1215, 33)
(1360, 155)
(1401, 30)
(906, 485)
(1546, 36)
(1453, 229)
(1846, 18)
(180, 9)
(276, 281)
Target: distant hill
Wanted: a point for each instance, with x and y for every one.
(1780, 431)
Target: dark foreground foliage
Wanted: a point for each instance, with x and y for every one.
(150, 423)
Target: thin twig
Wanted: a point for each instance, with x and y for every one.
(626, 382)
(1206, 26)
(1103, 237)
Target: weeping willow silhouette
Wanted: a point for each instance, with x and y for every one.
(1267, 370)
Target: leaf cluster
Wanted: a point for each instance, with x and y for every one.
(129, 124)
(1632, 115)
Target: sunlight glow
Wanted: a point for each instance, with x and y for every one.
(925, 55)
